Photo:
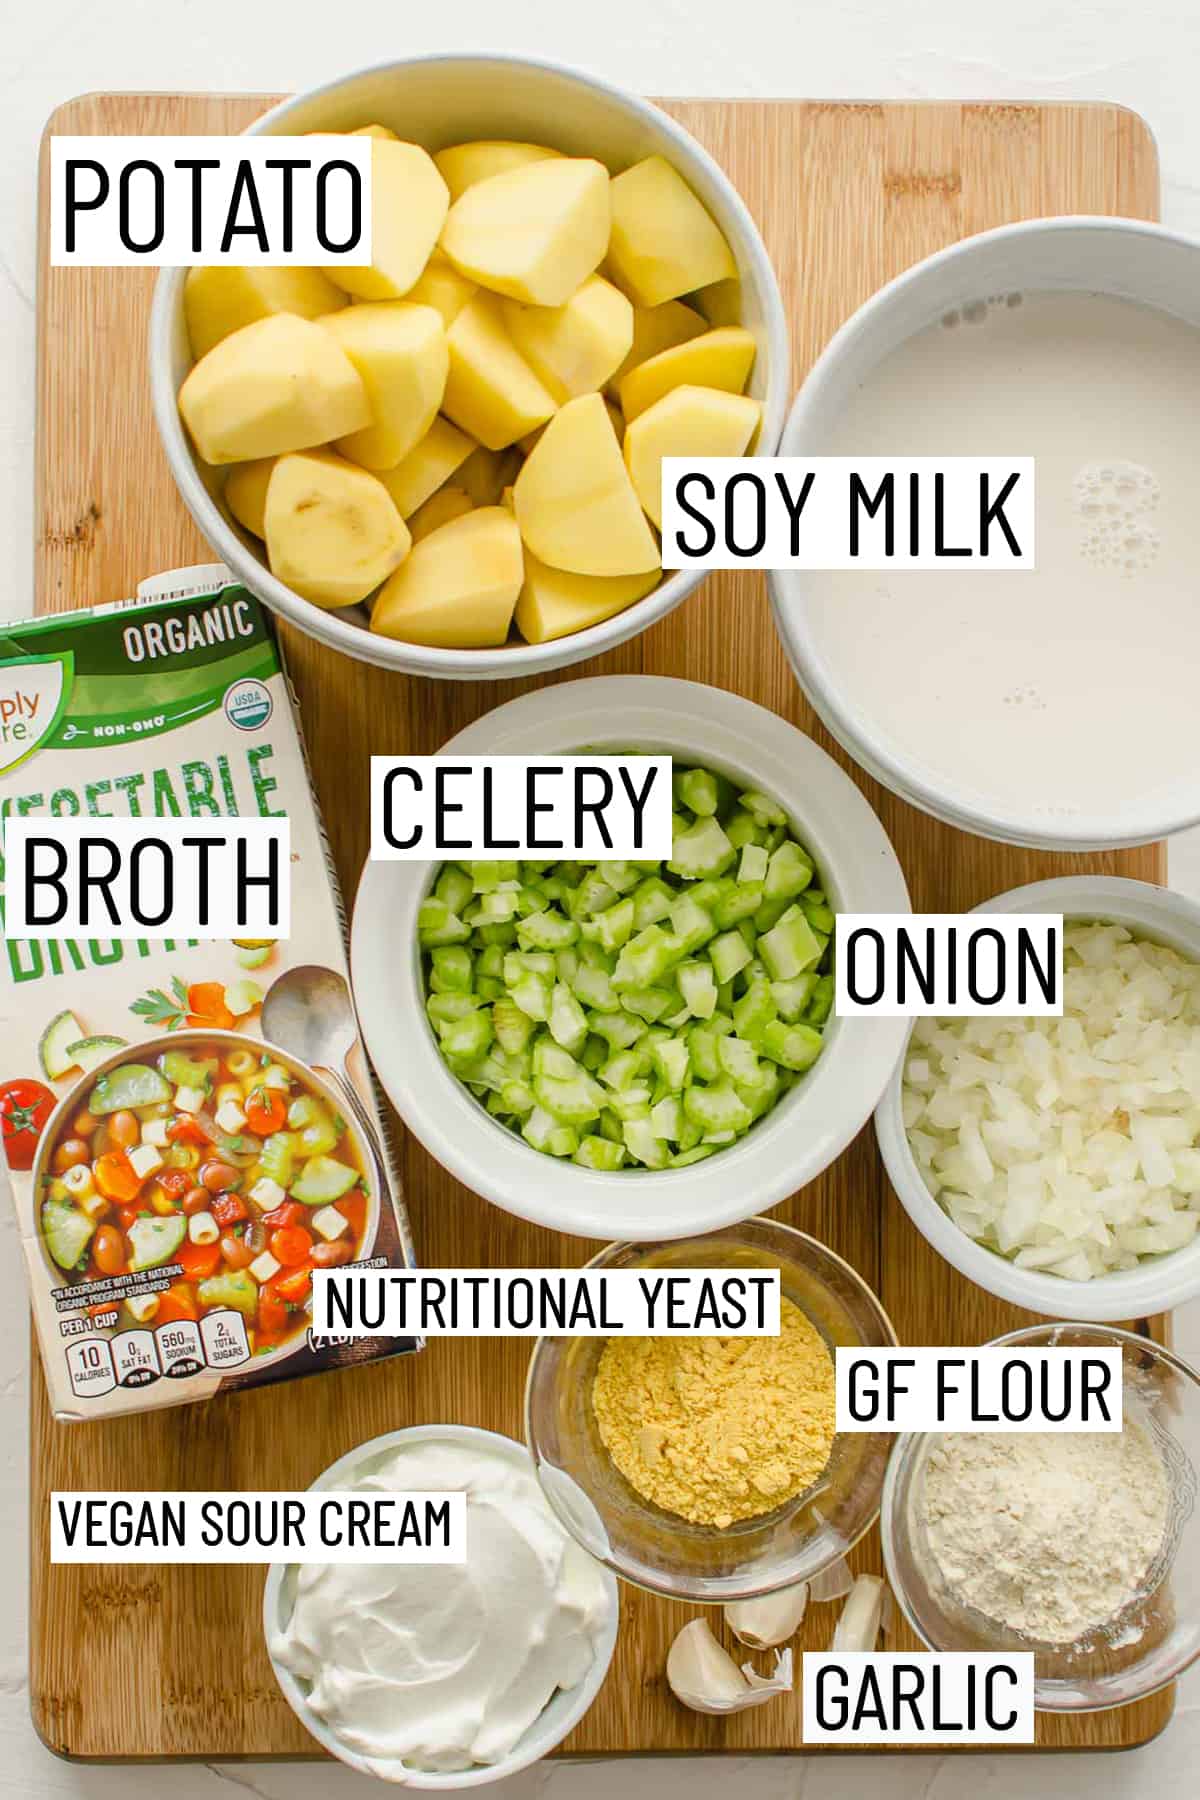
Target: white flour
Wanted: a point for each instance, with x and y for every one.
(1050, 1534)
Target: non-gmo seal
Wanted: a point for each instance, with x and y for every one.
(248, 705)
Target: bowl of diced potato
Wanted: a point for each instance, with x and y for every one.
(448, 461)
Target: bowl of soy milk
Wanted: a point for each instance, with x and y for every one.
(1055, 706)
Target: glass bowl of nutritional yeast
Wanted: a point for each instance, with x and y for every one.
(1083, 1547)
(708, 1469)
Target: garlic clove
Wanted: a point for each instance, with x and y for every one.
(771, 1619)
(705, 1677)
(702, 1674)
(862, 1615)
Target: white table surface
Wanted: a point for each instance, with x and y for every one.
(1145, 57)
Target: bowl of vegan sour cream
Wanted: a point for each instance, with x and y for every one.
(445, 1675)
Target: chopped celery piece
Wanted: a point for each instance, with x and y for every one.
(444, 1009)
(547, 931)
(623, 1069)
(703, 849)
(744, 829)
(594, 988)
(615, 924)
(666, 1119)
(437, 924)
(620, 1029)
(652, 902)
(753, 865)
(741, 902)
(698, 988)
(573, 1102)
(532, 994)
(716, 1107)
(737, 1059)
(486, 877)
(671, 1060)
(791, 997)
(755, 1010)
(568, 1021)
(788, 873)
(512, 1026)
(468, 1038)
(691, 925)
(649, 1003)
(728, 954)
(645, 959)
(818, 912)
(789, 947)
(451, 971)
(821, 1004)
(491, 961)
(627, 1014)
(550, 1058)
(697, 790)
(795, 1046)
(455, 887)
(685, 1158)
(643, 1146)
(765, 810)
(599, 1153)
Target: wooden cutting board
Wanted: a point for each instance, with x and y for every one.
(144, 1662)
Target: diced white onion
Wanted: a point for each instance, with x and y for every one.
(1071, 1145)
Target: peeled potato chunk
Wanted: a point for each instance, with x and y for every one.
(332, 531)
(409, 203)
(281, 384)
(657, 328)
(491, 392)
(427, 465)
(448, 503)
(574, 348)
(664, 241)
(458, 587)
(246, 493)
(534, 233)
(574, 500)
(400, 351)
(689, 421)
(462, 165)
(221, 299)
(373, 131)
(722, 358)
(553, 603)
(443, 287)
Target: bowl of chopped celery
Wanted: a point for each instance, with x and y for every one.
(644, 1050)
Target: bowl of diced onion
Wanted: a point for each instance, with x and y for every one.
(1056, 1161)
(626, 1050)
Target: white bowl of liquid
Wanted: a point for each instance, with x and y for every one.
(1052, 707)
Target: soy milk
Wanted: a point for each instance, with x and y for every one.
(1068, 692)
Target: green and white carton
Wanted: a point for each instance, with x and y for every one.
(174, 705)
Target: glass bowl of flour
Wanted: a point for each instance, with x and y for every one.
(1083, 1547)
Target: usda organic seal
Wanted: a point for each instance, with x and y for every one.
(248, 705)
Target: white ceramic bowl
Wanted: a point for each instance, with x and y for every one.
(811, 1125)
(1159, 1283)
(435, 101)
(1123, 258)
(561, 1713)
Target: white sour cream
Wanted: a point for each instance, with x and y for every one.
(445, 1666)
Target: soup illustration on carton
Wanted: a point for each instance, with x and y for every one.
(177, 1178)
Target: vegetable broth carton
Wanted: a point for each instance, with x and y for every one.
(177, 1179)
